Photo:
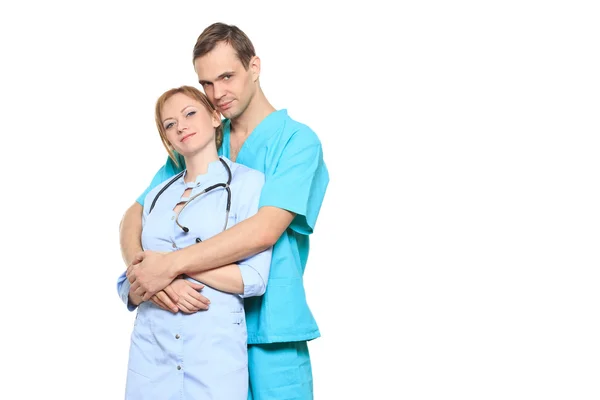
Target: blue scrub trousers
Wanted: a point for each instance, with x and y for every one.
(280, 371)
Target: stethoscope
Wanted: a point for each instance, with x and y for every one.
(208, 189)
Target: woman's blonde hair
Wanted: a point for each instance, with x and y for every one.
(192, 93)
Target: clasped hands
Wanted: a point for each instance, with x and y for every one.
(151, 278)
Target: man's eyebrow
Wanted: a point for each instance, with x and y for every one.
(225, 74)
(202, 82)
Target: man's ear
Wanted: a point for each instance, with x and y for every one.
(255, 68)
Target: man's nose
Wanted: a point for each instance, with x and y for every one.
(219, 90)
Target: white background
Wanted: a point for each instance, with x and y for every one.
(456, 253)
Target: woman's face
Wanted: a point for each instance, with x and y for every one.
(189, 126)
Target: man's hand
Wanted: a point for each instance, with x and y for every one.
(149, 273)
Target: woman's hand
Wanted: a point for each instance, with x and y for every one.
(181, 295)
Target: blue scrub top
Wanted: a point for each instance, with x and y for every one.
(290, 155)
(203, 354)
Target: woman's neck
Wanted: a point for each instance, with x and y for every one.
(197, 164)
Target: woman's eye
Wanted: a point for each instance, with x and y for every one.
(169, 126)
(191, 113)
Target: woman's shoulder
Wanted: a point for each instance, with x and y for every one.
(245, 175)
(160, 188)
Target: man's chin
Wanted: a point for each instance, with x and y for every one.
(229, 113)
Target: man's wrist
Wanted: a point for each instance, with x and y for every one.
(176, 265)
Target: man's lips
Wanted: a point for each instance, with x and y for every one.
(225, 106)
(187, 136)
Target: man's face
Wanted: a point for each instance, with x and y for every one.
(227, 84)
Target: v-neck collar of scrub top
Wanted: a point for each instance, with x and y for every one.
(216, 174)
(263, 132)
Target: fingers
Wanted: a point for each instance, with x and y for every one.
(136, 260)
(195, 286)
(185, 307)
(171, 293)
(147, 295)
(194, 297)
(165, 299)
(200, 299)
(130, 274)
(196, 300)
(139, 291)
(142, 295)
(139, 257)
(159, 303)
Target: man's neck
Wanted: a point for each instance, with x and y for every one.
(258, 109)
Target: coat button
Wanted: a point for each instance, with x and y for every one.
(178, 367)
(198, 240)
(177, 336)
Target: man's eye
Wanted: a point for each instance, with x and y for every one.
(226, 77)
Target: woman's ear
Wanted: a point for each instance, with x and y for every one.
(216, 119)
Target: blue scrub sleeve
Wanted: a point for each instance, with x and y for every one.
(299, 182)
(123, 284)
(254, 269)
(165, 172)
(123, 287)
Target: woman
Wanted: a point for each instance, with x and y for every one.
(188, 354)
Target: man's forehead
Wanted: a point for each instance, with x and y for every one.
(220, 60)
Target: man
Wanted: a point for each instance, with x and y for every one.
(289, 154)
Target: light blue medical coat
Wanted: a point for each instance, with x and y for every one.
(201, 355)
(296, 178)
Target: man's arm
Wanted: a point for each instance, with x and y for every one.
(241, 241)
(249, 277)
(130, 233)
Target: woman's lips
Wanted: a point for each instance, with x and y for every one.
(187, 136)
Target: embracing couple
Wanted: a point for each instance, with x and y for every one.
(217, 245)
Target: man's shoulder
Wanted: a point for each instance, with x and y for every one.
(298, 131)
